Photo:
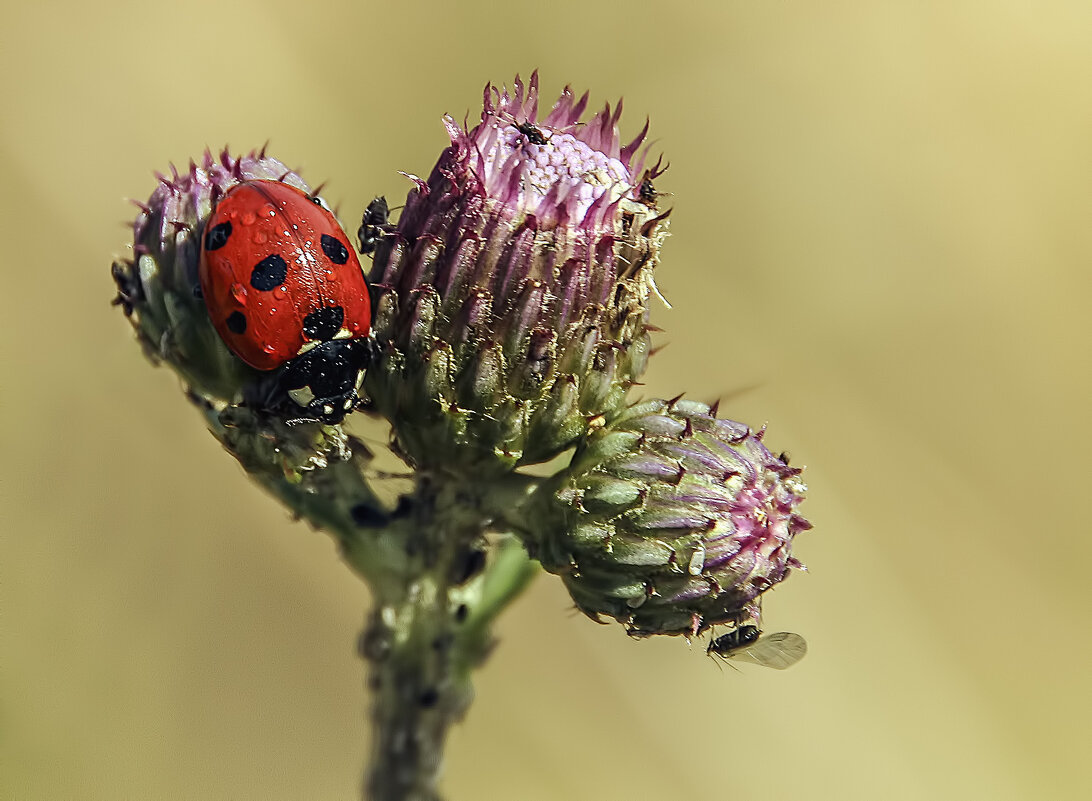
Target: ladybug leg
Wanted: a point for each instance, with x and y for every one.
(372, 349)
(267, 395)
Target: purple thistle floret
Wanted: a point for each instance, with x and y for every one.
(670, 520)
(512, 298)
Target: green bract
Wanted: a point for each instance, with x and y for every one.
(670, 520)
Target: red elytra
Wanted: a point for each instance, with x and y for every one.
(277, 273)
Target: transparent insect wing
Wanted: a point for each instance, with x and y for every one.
(779, 650)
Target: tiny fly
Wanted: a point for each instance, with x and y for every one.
(779, 650)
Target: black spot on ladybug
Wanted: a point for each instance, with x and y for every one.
(217, 236)
(324, 323)
(338, 253)
(269, 273)
(236, 322)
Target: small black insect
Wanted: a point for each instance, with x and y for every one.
(469, 566)
(373, 225)
(733, 640)
(779, 650)
(130, 291)
(533, 134)
(647, 193)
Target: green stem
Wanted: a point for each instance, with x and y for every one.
(417, 695)
(430, 630)
(437, 580)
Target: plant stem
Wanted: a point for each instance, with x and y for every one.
(437, 581)
(417, 695)
(430, 629)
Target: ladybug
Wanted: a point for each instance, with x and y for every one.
(287, 295)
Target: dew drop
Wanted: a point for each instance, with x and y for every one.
(268, 348)
(249, 218)
(260, 237)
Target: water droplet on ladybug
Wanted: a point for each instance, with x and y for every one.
(268, 348)
(238, 293)
(249, 218)
(260, 237)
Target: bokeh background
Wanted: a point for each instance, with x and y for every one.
(881, 246)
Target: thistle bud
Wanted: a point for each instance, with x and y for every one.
(670, 520)
(159, 289)
(511, 298)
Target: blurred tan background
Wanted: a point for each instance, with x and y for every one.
(881, 246)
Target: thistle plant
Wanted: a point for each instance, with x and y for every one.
(511, 303)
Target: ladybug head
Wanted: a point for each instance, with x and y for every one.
(322, 383)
